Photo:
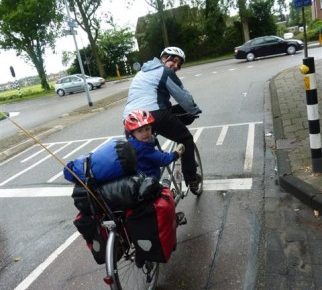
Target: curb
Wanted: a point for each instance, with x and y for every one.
(300, 189)
(4, 155)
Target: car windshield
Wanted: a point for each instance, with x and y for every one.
(80, 75)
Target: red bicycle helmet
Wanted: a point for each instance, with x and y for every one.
(137, 119)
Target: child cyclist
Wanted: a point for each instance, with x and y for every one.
(138, 128)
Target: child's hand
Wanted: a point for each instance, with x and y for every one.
(180, 149)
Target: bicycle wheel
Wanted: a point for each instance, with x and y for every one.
(199, 171)
(126, 275)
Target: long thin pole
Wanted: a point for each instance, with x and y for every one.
(305, 36)
(90, 103)
(37, 141)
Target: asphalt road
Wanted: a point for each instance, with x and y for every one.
(38, 111)
(217, 249)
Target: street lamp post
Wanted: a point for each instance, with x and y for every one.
(72, 25)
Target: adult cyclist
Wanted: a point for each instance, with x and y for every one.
(151, 90)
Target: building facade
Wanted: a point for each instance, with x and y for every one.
(316, 9)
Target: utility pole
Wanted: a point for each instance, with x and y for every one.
(72, 24)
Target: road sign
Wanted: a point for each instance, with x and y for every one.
(136, 66)
(302, 3)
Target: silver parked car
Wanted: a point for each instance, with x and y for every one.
(74, 83)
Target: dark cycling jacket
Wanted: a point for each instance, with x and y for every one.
(152, 88)
(149, 160)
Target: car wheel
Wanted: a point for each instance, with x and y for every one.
(250, 56)
(61, 93)
(90, 86)
(291, 49)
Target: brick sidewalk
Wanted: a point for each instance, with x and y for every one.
(292, 133)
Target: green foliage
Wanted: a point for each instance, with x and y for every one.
(29, 26)
(281, 29)
(262, 21)
(114, 47)
(295, 16)
(33, 91)
(201, 33)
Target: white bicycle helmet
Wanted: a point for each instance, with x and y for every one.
(174, 51)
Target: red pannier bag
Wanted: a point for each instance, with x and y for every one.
(152, 228)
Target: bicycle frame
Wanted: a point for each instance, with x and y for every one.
(173, 171)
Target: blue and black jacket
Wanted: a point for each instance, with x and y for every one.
(149, 160)
(152, 88)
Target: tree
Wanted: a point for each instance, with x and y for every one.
(114, 45)
(160, 5)
(261, 21)
(85, 12)
(29, 26)
(281, 9)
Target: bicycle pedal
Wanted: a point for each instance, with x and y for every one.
(183, 222)
(181, 218)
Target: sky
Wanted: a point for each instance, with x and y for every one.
(123, 16)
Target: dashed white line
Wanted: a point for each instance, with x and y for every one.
(197, 135)
(222, 135)
(248, 164)
(32, 166)
(36, 154)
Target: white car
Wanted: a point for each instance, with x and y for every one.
(75, 83)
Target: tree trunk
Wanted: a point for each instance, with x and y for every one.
(96, 55)
(91, 39)
(36, 58)
(245, 30)
(241, 4)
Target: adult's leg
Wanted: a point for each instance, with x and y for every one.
(169, 126)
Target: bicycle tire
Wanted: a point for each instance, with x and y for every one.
(199, 171)
(126, 275)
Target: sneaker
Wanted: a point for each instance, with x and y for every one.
(194, 184)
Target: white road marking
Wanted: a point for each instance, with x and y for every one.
(77, 149)
(108, 139)
(37, 136)
(230, 125)
(197, 135)
(209, 185)
(60, 173)
(32, 166)
(42, 267)
(232, 69)
(13, 114)
(35, 154)
(214, 72)
(36, 192)
(17, 155)
(222, 135)
(248, 164)
(198, 75)
(228, 184)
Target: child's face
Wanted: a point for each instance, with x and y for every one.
(143, 134)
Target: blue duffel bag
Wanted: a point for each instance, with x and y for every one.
(111, 161)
